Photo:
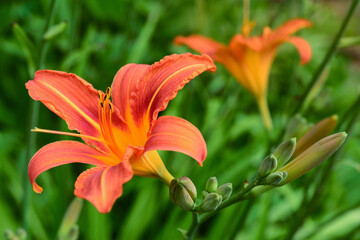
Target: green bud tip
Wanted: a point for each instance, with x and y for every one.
(275, 178)
(225, 191)
(204, 194)
(284, 151)
(267, 166)
(211, 202)
(211, 184)
(182, 193)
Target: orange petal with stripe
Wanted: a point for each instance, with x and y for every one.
(60, 153)
(161, 83)
(124, 84)
(70, 97)
(103, 185)
(177, 134)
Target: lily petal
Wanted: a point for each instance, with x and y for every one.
(161, 83)
(125, 83)
(177, 134)
(103, 185)
(303, 47)
(200, 43)
(70, 97)
(60, 153)
(291, 27)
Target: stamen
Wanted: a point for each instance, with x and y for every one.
(108, 91)
(67, 134)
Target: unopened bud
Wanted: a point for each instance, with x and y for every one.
(315, 133)
(9, 235)
(313, 156)
(211, 202)
(267, 166)
(21, 233)
(284, 151)
(70, 218)
(182, 193)
(275, 178)
(225, 191)
(211, 184)
(204, 194)
(296, 127)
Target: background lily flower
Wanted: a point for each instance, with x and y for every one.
(121, 135)
(249, 59)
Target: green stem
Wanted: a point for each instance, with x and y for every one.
(265, 113)
(328, 56)
(194, 226)
(34, 111)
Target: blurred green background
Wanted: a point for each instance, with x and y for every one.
(102, 36)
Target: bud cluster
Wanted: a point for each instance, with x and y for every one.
(295, 159)
(183, 193)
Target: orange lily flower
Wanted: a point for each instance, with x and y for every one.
(249, 59)
(121, 137)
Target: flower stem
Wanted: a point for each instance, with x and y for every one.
(301, 106)
(194, 226)
(34, 111)
(265, 113)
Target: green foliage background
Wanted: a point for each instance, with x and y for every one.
(102, 36)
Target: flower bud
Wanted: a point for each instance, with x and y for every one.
(21, 233)
(313, 156)
(275, 178)
(9, 235)
(314, 134)
(211, 185)
(211, 202)
(225, 191)
(284, 151)
(70, 218)
(182, 193)
(296, 127)
(204, 194)
(267, 166)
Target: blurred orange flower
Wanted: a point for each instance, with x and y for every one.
(249, 59)
(121, 136)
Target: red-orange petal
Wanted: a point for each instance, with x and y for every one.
(303, 48)
(124, 83)
(177, 134)
(103, 185)
(200, 43)
(161, 83)
(291, 27)
(70, 97)
(60, 153)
